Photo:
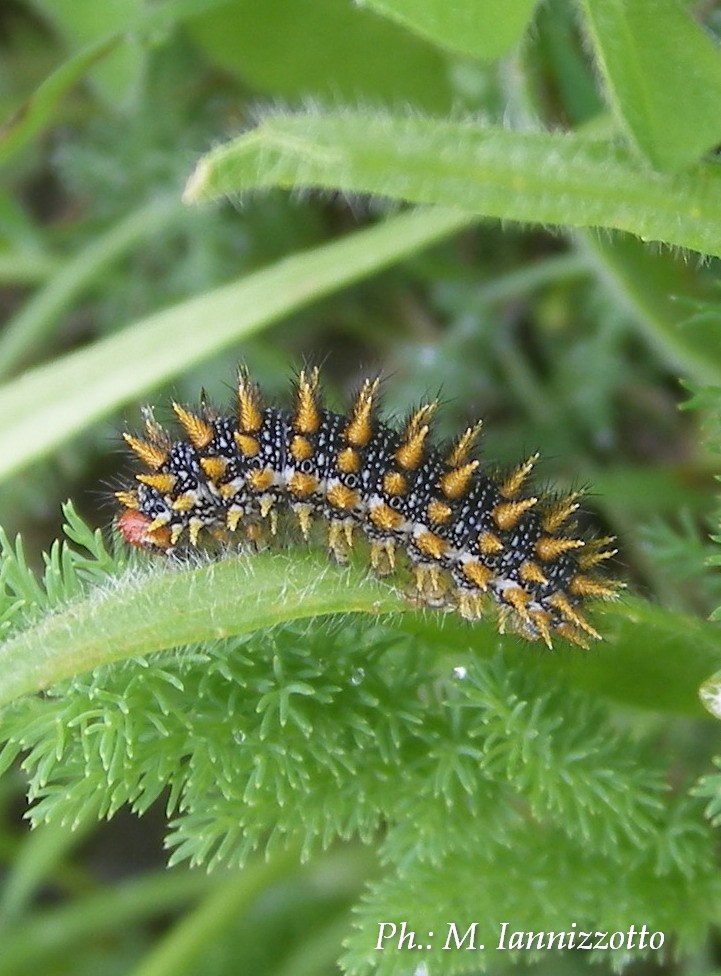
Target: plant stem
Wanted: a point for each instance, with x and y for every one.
(27, 267)
(177, 607)
(559, 267)
(181, 949)
(564, 179)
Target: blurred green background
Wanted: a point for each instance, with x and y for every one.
(567, 343)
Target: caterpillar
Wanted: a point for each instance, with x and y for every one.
(468, 538)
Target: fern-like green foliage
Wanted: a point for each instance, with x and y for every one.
(684, 556)
(708, 401)
(70, 571)
(495, 794)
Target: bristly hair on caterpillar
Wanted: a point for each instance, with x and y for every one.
(468, 538)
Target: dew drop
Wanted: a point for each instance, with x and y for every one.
(710, 694)
(357, 677)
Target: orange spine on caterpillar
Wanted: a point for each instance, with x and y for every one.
(469, 538)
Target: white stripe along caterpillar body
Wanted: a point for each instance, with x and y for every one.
(466, 536)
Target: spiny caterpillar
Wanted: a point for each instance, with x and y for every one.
(465, 534)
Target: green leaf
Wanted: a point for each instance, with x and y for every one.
(662, 75)
(488, 30)
(52, 402)
(39, 110)
(84, 22)
(548, 178)
(332, 52)
(650, 657)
